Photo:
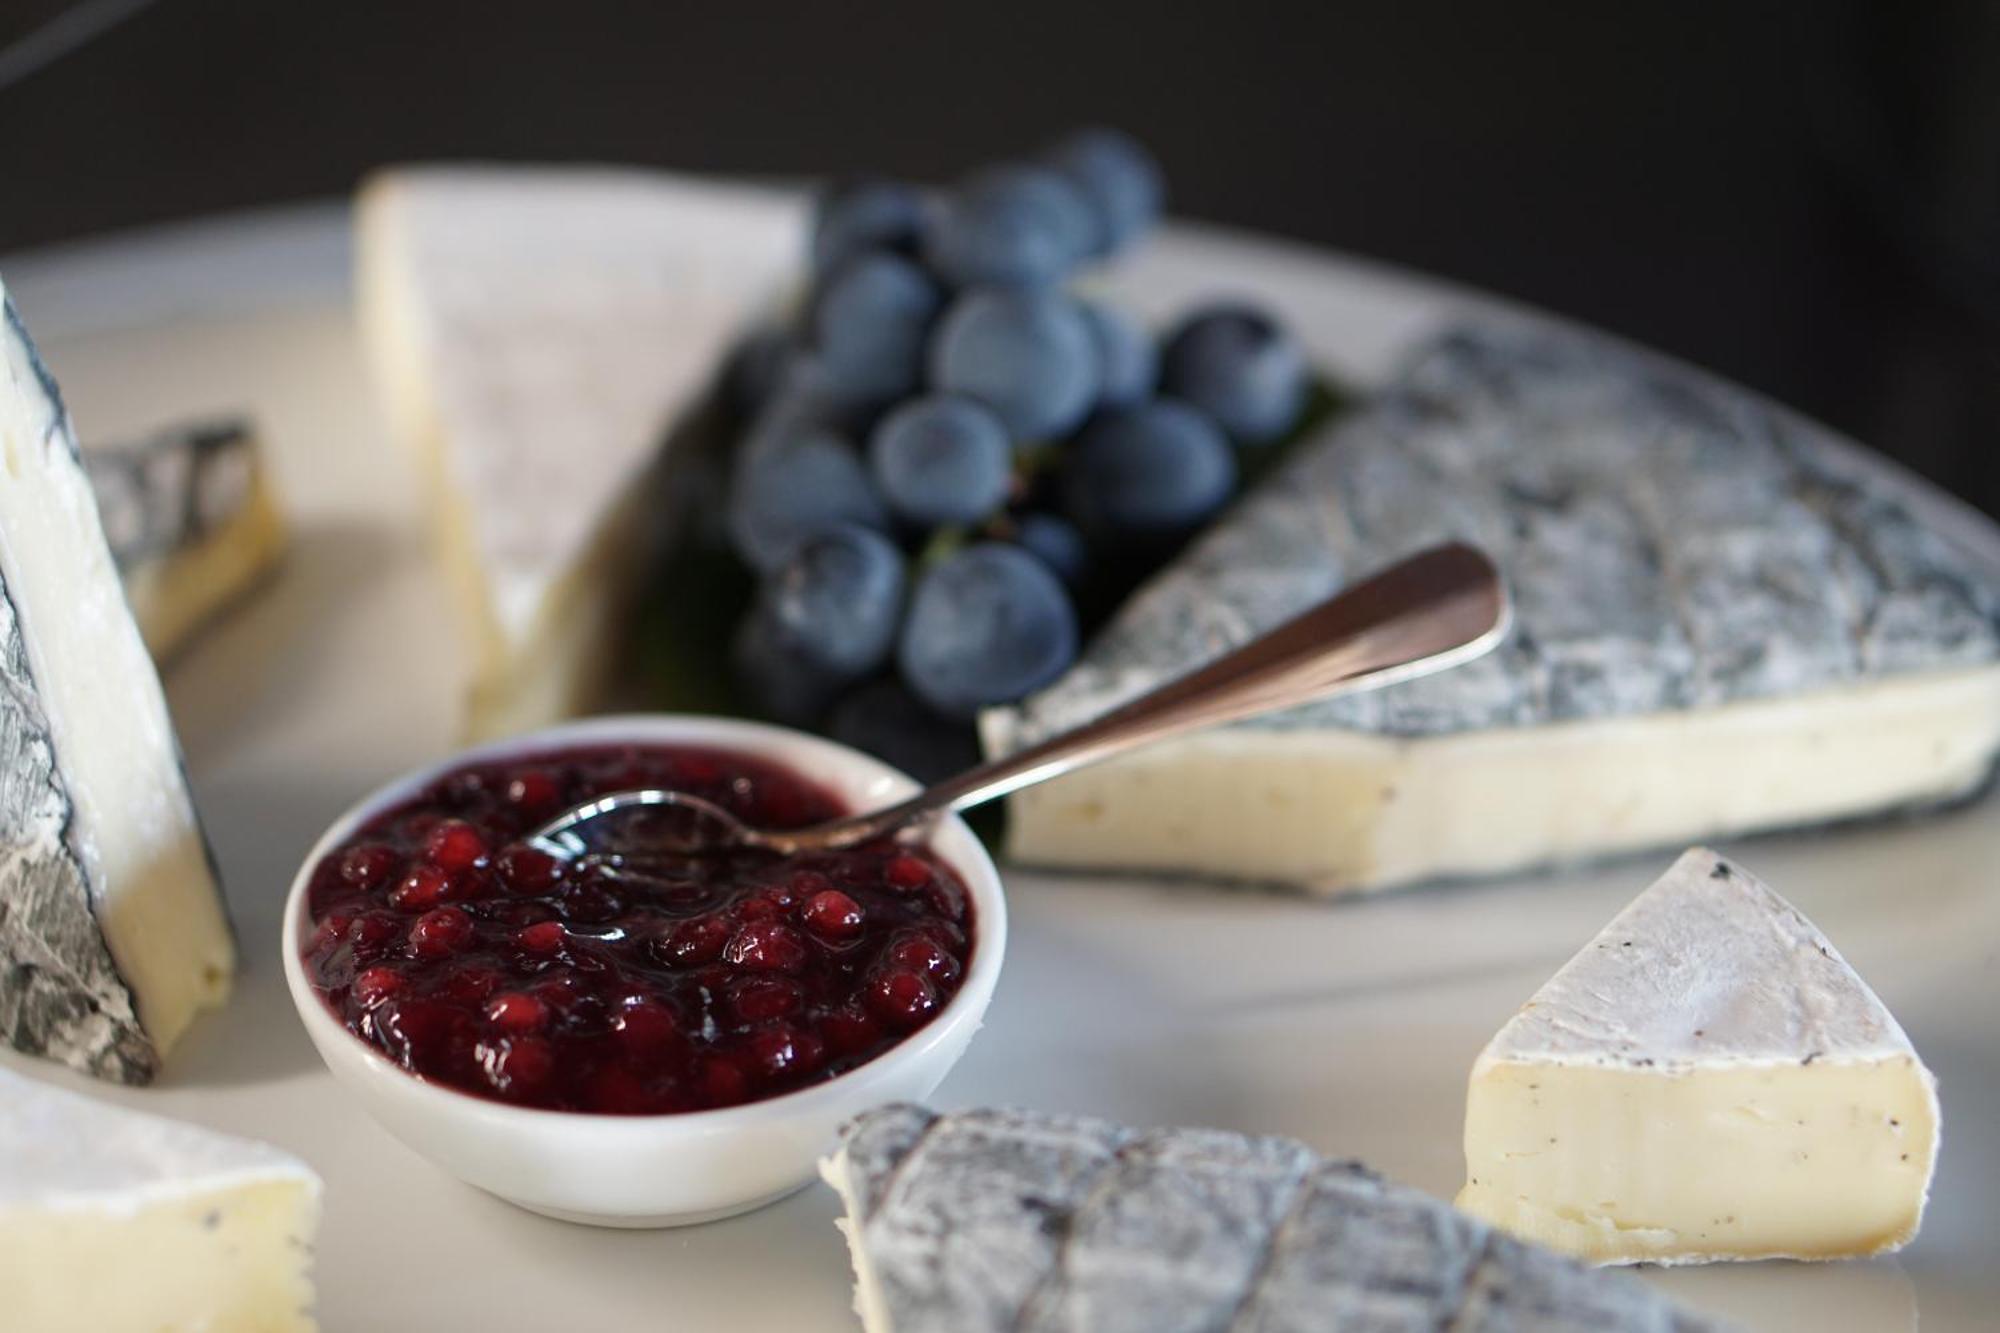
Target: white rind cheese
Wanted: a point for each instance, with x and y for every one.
(1013, 1220)
(193, 523)
(112, 930)
(1722, 625)
(1708, 1079)
(114, 1221)
(537, 333)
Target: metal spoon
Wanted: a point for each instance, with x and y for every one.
(1435, 610)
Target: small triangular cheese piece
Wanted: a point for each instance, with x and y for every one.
(538, 331)
(116, 1221)
(1708, 1079)
(193, 521)
(112, 930)
(1004, 1221)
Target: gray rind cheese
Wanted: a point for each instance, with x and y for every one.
(60, 993)
(1722, 624)
(1014, 1220)
(192, 520)
(112, 930)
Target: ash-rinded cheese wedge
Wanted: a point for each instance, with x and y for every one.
(538, 332)
(1724, 621)
(193, 522)
(115, 1221)
(991, 1220)
(1708, 1079)
(112, 930)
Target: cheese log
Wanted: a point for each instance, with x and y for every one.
(192, 521)
(115, 1221)
(1708, 1079)
(112, 930)
(537, 333)
(1013, 1220)
(1724, 623)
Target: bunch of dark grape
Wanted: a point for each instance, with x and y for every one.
(952, 464)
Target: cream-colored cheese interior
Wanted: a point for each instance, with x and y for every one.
(1811, 1161)
(1345, 812)
(231, 1260)
(135, 829)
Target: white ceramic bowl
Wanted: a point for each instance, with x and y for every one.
(660, 1170)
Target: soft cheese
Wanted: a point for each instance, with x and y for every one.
(1707, 1079)
(193, 523)
(114, 1221)
(537, 333)
(1724, 622)
(1013, 1220)
(112, 931)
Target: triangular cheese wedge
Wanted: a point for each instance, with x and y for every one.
(994, 1220)
(120, 1222)
(1708, 1079)
(1722, 623)
(193, 521)
(112, 931)
(537, 332)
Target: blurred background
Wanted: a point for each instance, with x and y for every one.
(1803, 197)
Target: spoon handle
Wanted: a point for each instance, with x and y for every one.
(1439, 608)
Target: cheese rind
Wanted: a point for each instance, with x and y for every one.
(1013, 1220)
(193, 523)
(112, 930)
(1721, 624)
(537, 332)
(112, 1221)
(1708, 1079)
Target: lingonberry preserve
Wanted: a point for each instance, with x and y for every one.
(628, 981)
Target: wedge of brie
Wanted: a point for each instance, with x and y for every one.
(537, 332)
(193, 522)
(112, 930)
(115, 1221)
(1725, 621)
(1707, 1079)
(1013, 1220)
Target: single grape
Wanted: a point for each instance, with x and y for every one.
(1056, 542)
(790, 487)
(987, 625)
(778, 682)
(805, 399)
(857, 216)
(1240, 366)
(1153, 471)
(1120, 179)
(1029, 354)
(1012, 225)
(870, 322)
(837, 601)
(1130, 359)
(941, 460)
(886, 720)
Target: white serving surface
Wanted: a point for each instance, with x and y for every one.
(1350, 1025)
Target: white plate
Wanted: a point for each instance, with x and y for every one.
(1349, 1025)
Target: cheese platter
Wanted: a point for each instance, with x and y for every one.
(1831, 659)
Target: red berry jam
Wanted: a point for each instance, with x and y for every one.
(627, 981)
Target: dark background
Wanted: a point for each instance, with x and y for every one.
(1803, 196)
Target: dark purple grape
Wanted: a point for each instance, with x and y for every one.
(1240, 366)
